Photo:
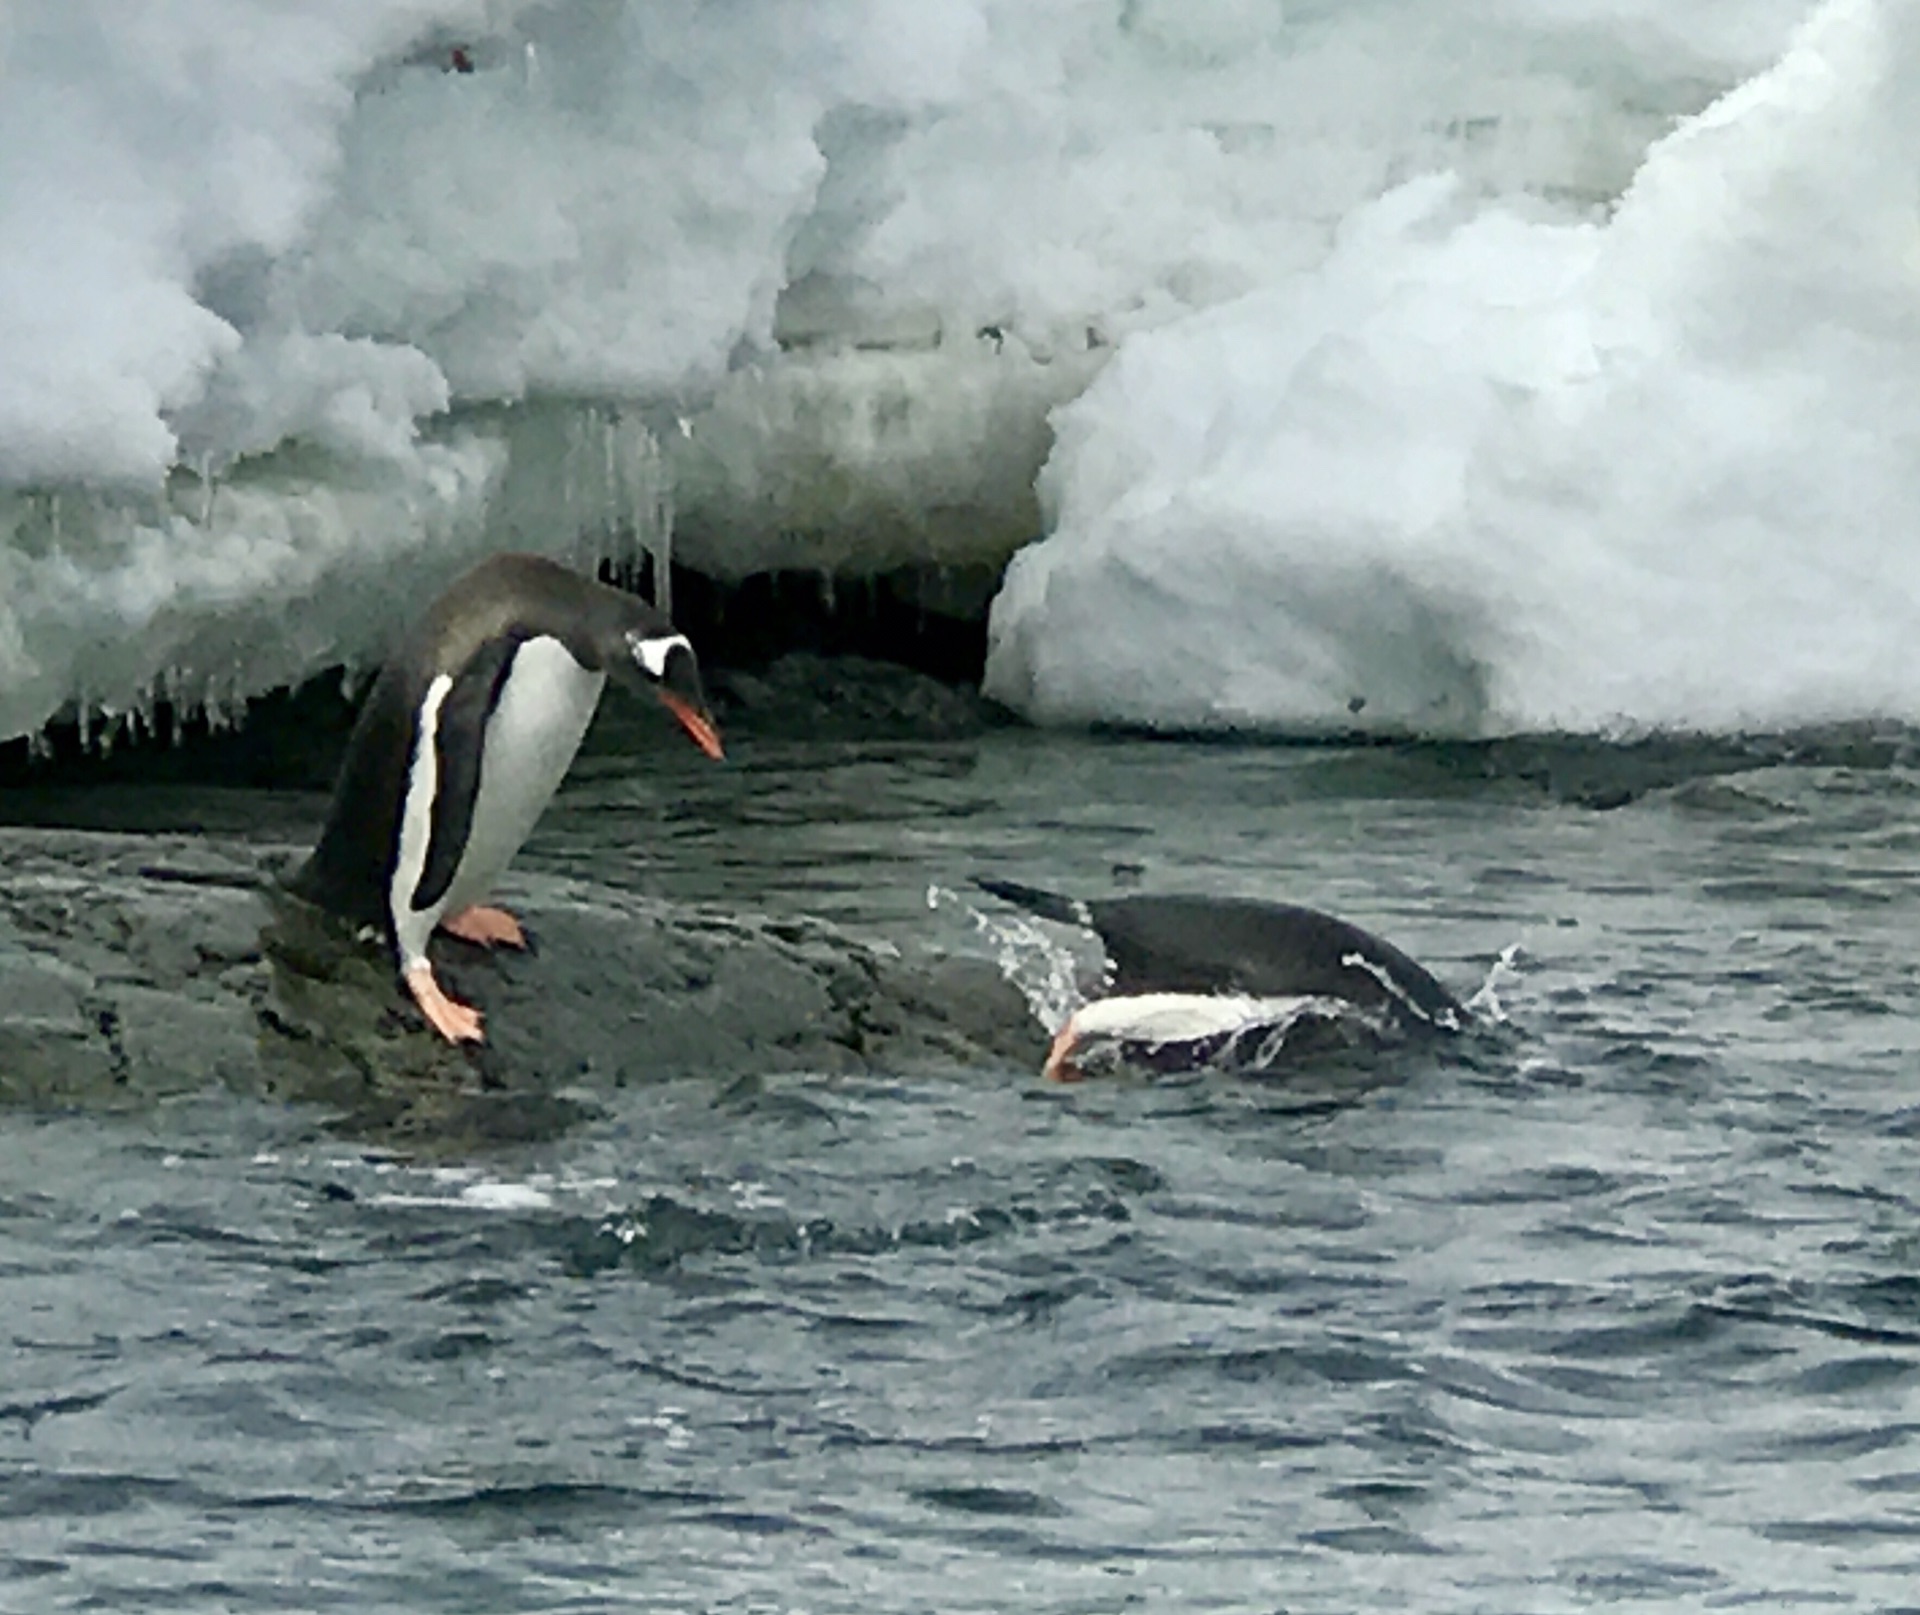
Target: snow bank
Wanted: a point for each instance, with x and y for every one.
(382, 271)
(1486, 470)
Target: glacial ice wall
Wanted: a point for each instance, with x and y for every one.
(304, 303)
(1491, 468)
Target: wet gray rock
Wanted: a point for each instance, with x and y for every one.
(848, 697)
(135, 967)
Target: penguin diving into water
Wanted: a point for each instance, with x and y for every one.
(463, 740)
(1194, 979)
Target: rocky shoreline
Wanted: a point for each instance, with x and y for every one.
(134, 968)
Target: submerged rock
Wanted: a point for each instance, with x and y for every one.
(136, 967)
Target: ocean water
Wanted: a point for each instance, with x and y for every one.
(1613, 1302)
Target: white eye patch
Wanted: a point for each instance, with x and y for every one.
(652, 654)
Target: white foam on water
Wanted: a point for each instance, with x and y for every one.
(465, 1188)
(505, 1197)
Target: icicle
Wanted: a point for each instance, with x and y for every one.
(609, 480)
(614, 497)
(174, 683)
(663, 550)
(221, 708)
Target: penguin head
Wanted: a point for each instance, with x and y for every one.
(604, 629)
(655, 660)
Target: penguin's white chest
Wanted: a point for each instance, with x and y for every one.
(535, 728)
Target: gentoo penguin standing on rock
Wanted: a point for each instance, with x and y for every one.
(463, 741)
(1191, 975)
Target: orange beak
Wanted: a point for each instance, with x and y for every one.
(1060, 1066)
(697, 722)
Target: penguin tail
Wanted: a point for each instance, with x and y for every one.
(1048, 905)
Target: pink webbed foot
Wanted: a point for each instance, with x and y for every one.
(487, 927)
(1060, 1066)
(453, 1020)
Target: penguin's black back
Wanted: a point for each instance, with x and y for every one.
(1193, 944)
(469, 634)
(349, 869)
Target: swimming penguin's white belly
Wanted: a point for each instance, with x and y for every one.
(536, 727)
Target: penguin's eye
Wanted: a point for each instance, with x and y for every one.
(652, 654)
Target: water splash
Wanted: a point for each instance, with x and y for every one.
(1046, 973)
(1485, 1003)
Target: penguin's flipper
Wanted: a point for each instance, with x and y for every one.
(458, 741)
(1048, 905)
